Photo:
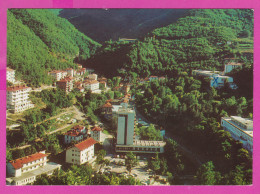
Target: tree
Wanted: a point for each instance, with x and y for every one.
(206, 175)
(130, 161)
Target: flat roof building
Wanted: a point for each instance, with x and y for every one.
(232, 65)
(10, 75)
(18, 98)
(241, 129)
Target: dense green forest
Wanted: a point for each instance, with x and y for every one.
(202, 39)
(185, 105)
(182, 104)
(39, 41)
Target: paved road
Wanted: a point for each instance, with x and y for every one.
(44, 87)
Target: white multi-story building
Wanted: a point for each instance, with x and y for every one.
(18, 98)
(125, 126)
(24, 170)
(91, 85)
(232, 65)
(80, 72)
(65, 84)
(125, 135)
(93, 76)
(70, 72)
(241, 129)
(96, 134)
(204, 73)
(10, 75)
(58, 74)
(82, 152)
(142, 146)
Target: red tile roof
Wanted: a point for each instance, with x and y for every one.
(107, 105)
(73, 133)
(96, 129)
(66, 79)
(78, 127)
(9, 69)
(18, 163)
(15, 88)
(80, 88)
(85, 144)
(91, 82)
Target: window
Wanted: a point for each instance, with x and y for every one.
(72, 160)
(72, 154)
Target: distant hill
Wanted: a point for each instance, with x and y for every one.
(105, 24)
(38, 40)
(201, 39)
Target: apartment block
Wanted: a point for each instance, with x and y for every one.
(91, 85)
(93, 76)
(126, 142)
(66, 84)
(241, 129)
(82, 152)
(18, 98)
(232, 65)
(10, 75)
(58, 74)
(96, 134)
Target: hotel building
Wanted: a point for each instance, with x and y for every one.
(18, 98)
(10, 75)
(82, 152)
(25, 170)
(241, 129)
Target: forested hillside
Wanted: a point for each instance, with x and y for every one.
(204, 38)
(38, 41)
(105, 24)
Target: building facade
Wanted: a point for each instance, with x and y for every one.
(24, 170)
(241, 129)
(65, 84)
(18, 98)
(232, 65)
(125, 126)
(142, 146)
(93, 76)
(91, 85)
(106, 110)
(126, 141)
(10, 75)
(81, 153)
(205, 73)
(218, 81)
(76, 134)
(96, 134)
(58, 74)
(70, 72)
